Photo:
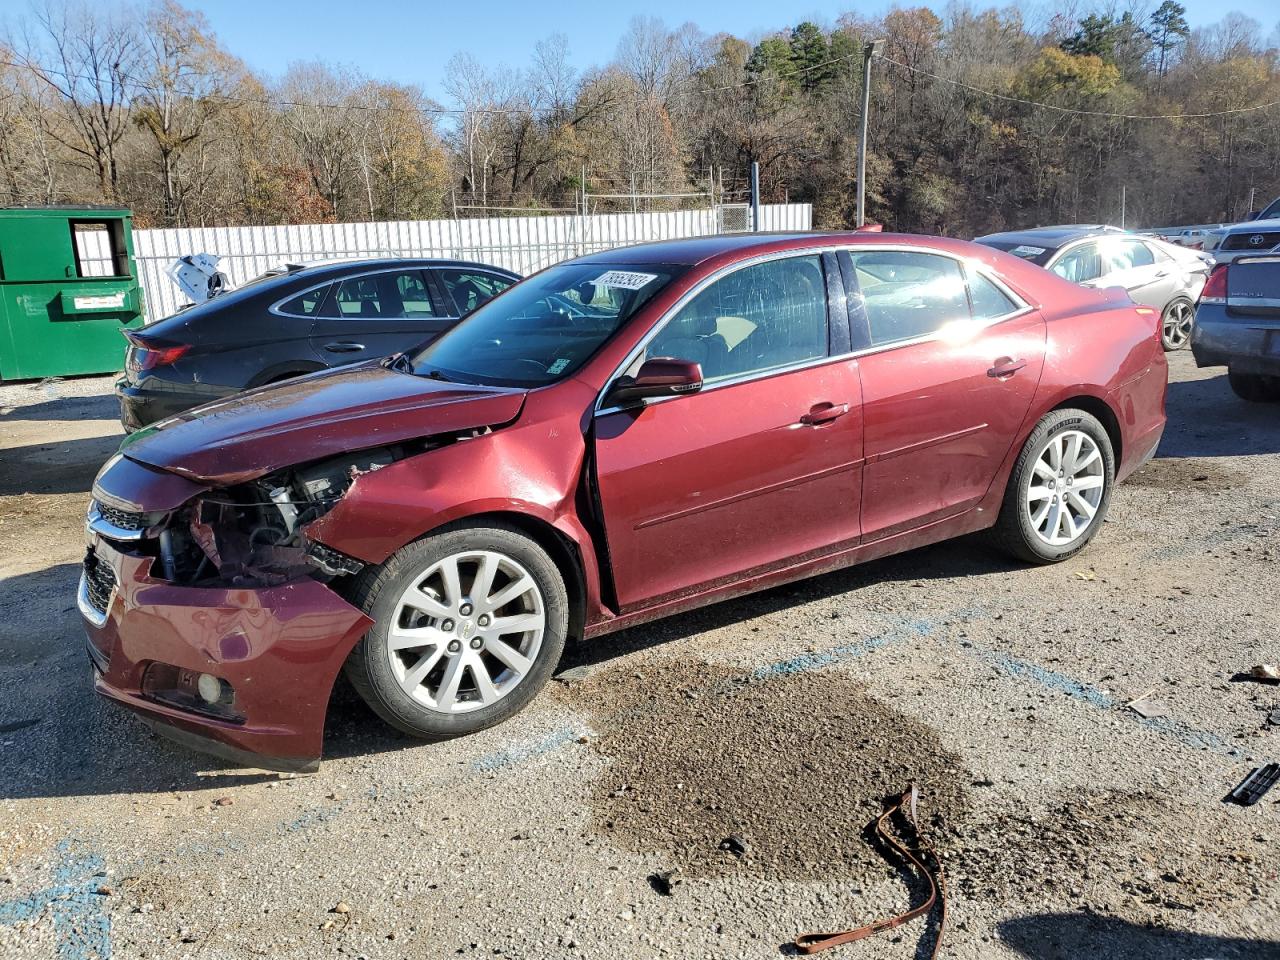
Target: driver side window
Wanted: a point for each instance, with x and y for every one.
(765, 316)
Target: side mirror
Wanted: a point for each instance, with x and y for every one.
(657, 377)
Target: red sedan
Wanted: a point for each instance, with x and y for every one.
(618, 438)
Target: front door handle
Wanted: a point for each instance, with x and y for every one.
(1006, 367)
(344, 346)
(824, 413)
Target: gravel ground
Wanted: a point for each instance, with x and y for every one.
(592, 826)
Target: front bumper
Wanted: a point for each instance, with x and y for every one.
(279, 648)
(1245, 344)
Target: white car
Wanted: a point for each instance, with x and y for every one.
(1158, 274)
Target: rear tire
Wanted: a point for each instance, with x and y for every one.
(1175, 324)
(469, 624)
(1254, 387)
(1059, 490)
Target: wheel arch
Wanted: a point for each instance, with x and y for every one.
(1100, 409)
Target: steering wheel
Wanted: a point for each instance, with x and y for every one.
(542, 367)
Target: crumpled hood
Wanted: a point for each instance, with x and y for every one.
(321, 415)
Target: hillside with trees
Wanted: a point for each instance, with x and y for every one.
(981, 121)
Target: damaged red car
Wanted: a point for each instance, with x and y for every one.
(615, 439)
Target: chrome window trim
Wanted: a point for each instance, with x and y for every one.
(966, 264)
(275, 307)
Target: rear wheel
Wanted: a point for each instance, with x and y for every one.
(1059, 490)
(470, 624)
(1175, 324)
(1254, 387)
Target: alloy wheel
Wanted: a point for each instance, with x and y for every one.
(466, 632)
(1175, 326)
(1065, 487)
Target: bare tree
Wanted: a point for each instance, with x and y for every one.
(87, 57)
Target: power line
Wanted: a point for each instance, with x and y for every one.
(1071, 110)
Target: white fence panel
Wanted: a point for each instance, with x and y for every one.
(522, 244)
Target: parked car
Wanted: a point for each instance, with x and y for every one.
(1158, 274)
(1259, 235)
(1238, 324)
(615, 439)
(292, 321)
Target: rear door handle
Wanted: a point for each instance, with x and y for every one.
(824, 413)
(344, 346)
(1006, 367)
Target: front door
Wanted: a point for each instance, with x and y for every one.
(760, 468)
(954, 365)
(375, 315)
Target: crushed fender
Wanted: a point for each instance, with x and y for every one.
(924, 859)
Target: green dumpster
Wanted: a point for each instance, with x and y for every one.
(68, 284)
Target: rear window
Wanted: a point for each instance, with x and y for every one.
(306, 304)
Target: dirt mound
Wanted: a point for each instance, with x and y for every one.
(794, 765)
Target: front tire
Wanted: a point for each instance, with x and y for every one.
(1254, 387)
(470, 622)
(1176, 323)
(1060, 489)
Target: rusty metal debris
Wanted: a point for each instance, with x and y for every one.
(924, 859)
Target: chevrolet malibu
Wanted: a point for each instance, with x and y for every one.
(617, 438)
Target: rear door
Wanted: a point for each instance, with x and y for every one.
(955, 361)
(376, 314)
(760, 468)
(1134, 265)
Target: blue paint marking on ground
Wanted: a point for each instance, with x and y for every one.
(845, 651)
(1087, 693)
(312, 818)
(80, 923)
(519, 752)
(1076, 689)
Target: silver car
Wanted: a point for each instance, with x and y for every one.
(1157, 274)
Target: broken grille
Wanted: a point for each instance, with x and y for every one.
(123, 519)
(99, 580)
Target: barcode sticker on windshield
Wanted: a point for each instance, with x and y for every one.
(558, 365)
(1027, 251)
(624, 279)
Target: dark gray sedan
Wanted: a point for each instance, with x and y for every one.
(1238, 325)
(294, 322)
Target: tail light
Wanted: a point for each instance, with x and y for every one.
(147, 354)
(151, 357)
(1215, 288)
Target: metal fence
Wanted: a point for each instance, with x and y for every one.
(522, 244)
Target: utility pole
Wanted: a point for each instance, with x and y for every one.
(584, 189)
(755, 196)
(868, 52)
(1123, 191)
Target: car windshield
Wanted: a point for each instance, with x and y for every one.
(544, 328)
(1027, 251)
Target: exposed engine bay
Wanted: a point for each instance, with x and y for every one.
(253, 534)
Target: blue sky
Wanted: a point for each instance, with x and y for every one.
(410, 43)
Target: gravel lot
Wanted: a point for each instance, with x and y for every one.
(1070, 826)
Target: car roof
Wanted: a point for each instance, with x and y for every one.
(693, 251)
(1252, 226)
(322, 268)
(1052, 237)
